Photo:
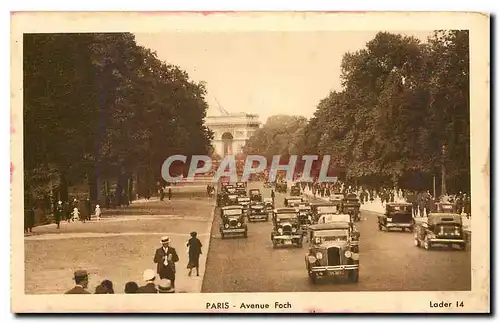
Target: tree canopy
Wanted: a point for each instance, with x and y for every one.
(403, 111)
(99, 106)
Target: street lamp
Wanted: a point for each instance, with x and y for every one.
(443, 170)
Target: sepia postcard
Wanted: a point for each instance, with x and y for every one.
(250, 162)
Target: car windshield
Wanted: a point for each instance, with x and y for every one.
(327, 209)
(399, 208)
(332, 235)
(286, 216)
(232, 212)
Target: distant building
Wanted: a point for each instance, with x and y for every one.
(231, 131)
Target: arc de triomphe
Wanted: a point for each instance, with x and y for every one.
(231, 131)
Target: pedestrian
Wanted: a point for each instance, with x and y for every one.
(165, 259)
(169, 193)
(272, 195)
(165, 286)
(97, 212)
(149, 277)
(162, 194)
(109, 286)
(194, 250)
(30, 219)
(88, 209)
(75, 215)
(81, 278)
(59, 213)
(131, 288)
(467, 205)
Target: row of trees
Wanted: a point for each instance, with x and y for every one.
(402, 115)
(100, 107)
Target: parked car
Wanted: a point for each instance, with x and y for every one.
(440, 229)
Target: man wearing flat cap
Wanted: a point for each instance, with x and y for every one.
(82, 282)
(165, 259)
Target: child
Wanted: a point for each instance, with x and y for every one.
(76, 215)
(98, 212)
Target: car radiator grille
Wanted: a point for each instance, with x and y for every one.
(333, 256)
(233, 223)
(287, 229)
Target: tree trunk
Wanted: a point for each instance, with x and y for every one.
(63, 188)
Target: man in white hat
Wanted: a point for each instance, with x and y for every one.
(165, 259)
(149, 277)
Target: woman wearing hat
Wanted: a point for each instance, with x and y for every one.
(194, 245)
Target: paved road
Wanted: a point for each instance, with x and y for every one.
(389, 262)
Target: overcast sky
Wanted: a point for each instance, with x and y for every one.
(265, 73)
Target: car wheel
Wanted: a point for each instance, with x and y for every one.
(463, 246)
(416, 242)
(379, 227)
(354, 275)
(222, 235)
(245, 235)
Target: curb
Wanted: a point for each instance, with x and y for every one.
(203, 262)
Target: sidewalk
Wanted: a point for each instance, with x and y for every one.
(377, 207)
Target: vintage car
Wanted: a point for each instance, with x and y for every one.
(444, 207)
(244, 201)
(293, 201)
(268, 202)
(397, 215)
(336, 199)
(255, 195)
(440, 229)
(295, 190)
(351, 205)
(281, 187)
(316, 205)
(345, 218)
(241, 189)
(286, 228)
(222, 192)
(332, 252)
(305, 215)
(257, 211)
(229, 199)
(232, 221)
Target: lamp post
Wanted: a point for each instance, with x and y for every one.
(443, 170)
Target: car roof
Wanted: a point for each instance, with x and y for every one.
(399, 204)
(444, 218)
(232, 207)
(330, 226)
(285, 210)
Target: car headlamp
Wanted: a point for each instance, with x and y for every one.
(226, 226)
(294, 229)
(239, 224)
(319, 255)
(348, 254)
(311, 259)
(355, 256)
(280, 230)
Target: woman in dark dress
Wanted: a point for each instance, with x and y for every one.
(194, 245)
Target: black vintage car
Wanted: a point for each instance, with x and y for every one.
(351, 205)
(229, 199)
(241, 189)
(305, 215)
(257, 212)
(268, 202)
(225, 190)
(255, 195)
(293, 201)
(332, 252)
(440, 229)
(295, 190)
(286, 228)
(397, 215)
(316, 205)
(244, 201)
(281, 187)
(232, 221)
